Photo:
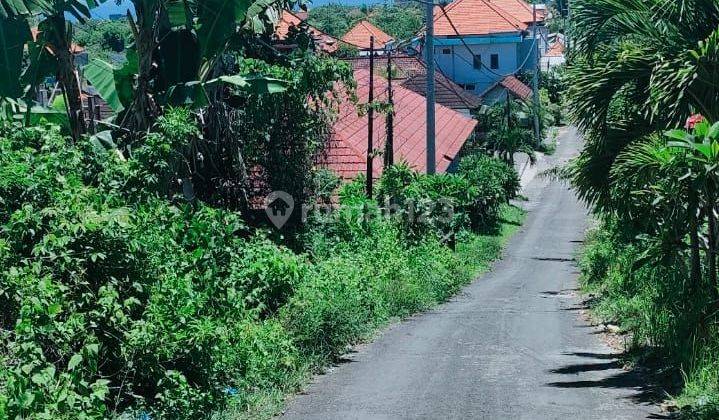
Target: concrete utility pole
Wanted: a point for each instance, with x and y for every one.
(535, 80)
(389, 144)
(370, 119)
(429, 58)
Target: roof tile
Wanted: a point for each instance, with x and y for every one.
(346, 152)
(360, 34)
(474, 17)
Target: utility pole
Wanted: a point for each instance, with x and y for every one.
(370, 118)
(389, 144)
(429, 58)
(535, 80)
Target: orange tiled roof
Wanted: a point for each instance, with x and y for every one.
(325, 42)
(519, 9)
(346, 153)
(359, 36)
(475, 17)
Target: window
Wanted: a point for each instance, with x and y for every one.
(446, 51)
(477, 62)
(468, 86)
(494, 61)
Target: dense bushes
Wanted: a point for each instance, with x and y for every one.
(117, 295)
(446, 204)
(115, 304)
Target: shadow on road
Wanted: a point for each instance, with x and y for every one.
(649, 384)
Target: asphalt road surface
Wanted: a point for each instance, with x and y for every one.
(512, 345)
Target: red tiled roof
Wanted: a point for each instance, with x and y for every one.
(347, 149)
(359, 36)
(520, 9)
(556, 50)
(288, 20)
(474, 17)
(516, 87)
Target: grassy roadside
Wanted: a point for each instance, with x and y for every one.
(473, 256)
(662, 324)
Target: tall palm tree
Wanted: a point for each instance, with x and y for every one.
(638, 66)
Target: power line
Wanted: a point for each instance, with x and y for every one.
(469, 49)
(461, 39)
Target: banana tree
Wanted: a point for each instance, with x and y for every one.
(49, 51)
(179, 58)
(178, 48)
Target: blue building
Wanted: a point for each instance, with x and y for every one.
(480, 42)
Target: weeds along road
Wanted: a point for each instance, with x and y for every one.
(512, 345)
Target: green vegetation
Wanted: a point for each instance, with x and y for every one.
(138, 276)
(507, 127)
(401, 22)
(119, 296)
(104, 39)
(640, 70)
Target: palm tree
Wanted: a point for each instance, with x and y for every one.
(638, 66)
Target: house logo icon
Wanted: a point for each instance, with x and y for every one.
(279, 206)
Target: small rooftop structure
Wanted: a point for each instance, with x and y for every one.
(509, 84)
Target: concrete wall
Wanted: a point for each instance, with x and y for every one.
(458, 65)
(514, 51)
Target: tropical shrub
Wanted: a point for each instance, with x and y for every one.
(113, 305)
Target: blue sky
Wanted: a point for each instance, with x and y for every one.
(109, 8)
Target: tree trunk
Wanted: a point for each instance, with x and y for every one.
(67, 74)
(143, 111)
(695, 269)
(712, 244)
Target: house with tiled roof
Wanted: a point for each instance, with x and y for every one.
(360, 34)
(291, 21)
(346, 152)
(509, 87)
(555, 55)
(480, 42)
(410, 72)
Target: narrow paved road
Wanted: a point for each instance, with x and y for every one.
(511, 346)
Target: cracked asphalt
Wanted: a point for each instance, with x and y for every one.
(512, 345)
